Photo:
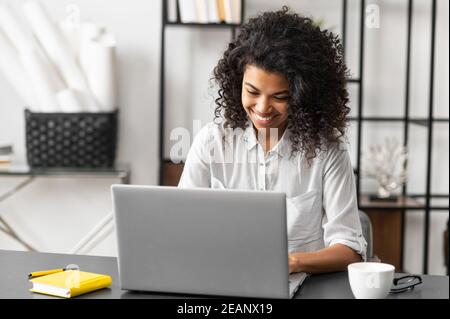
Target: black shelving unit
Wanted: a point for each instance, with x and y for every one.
(406, 120)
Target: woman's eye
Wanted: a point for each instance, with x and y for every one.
(252, 92)
(281, 98)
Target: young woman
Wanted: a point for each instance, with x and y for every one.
(279, 125)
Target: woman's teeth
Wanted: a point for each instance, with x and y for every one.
(261, 118)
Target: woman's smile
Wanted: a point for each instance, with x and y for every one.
(263, 119)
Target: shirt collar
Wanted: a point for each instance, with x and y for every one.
(283, 147)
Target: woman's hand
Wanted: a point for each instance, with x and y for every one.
(293, 263)
(332, 258)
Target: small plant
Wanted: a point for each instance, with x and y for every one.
(386, 163)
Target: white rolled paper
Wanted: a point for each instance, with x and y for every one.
(91, 31)
(72, 35)
(20, 37)
(14, 73)
(69, 101)
(23, 41)
(59, 51)
(39, 74)
(98, 61)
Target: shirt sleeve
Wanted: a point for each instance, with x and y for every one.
(196, 172)
(340, 204)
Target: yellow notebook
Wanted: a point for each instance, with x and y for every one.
(70, 283)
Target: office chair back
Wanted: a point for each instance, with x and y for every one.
(366, 226)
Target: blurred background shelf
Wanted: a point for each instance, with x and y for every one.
(119, 170)
(409, 202)
(214, 25)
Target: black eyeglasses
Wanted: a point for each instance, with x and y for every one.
(405, 283)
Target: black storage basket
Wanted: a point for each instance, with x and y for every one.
(77, 140)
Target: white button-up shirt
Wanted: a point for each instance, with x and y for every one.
(321, 197)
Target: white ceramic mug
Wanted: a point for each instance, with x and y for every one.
(370, 280)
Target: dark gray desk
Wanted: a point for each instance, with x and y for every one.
(14, 267)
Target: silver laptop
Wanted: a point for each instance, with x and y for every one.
(203, 241)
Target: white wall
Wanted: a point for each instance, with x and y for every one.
(56, 220)
(191, 56)
(136, 25)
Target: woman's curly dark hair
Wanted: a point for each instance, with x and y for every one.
(312, 61)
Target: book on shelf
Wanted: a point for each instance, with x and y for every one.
(201, 7)
(232, 11)
(206, 11)
(188, 12)
(172, 13)
(221, 10)
(236, 11)
(5, 149)
(6, 152)
(213, 14)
